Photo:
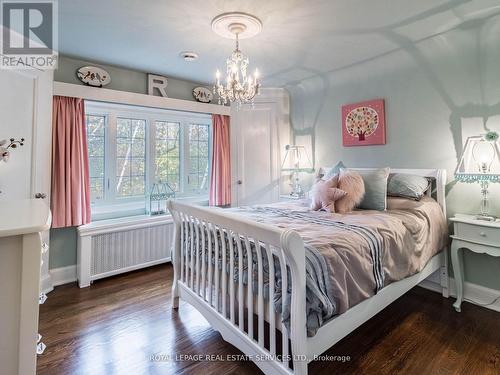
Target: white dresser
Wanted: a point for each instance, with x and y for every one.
(21, 222)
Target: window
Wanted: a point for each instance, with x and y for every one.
(130, 157)
(95, 140)
(130, 148)
(167, 153)
(198, 157)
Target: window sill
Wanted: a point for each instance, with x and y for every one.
(132, 209)
(123, 224)
(107, 219)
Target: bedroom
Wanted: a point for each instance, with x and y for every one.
(361, 155)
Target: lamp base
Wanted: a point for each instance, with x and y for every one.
(297, 191)
(297, 195)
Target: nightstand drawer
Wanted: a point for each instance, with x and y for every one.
(476, 233)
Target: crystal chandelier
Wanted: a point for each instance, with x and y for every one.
(238, 86)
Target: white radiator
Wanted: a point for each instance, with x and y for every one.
(110, 247)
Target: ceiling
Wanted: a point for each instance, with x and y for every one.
(299, 38)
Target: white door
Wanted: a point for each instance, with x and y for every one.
(26, 112)
(255, 154)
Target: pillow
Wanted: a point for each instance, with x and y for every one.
(352, 183)
(335, 170)
(375, 188)
(407, 186)
(324, 193)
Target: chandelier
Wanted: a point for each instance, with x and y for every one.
(238, 86)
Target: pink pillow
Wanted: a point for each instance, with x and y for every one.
(352, 183)
(324, 193)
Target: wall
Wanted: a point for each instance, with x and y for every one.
(63, 240)
(437, 92)
(123, 79)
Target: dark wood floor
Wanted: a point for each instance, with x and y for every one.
(116, 325)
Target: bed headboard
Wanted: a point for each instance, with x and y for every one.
(437, 176)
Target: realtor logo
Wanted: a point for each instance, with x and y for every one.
(29, 34)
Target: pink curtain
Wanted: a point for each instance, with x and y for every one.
(220, 179)
(70, 164)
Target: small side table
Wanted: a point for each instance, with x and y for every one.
(288, 197)
(479, 236)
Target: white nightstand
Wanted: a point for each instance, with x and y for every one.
(288, 197)
(476, 235)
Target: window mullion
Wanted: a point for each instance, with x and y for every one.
(151, 152)
(111, 160)
(185, 157)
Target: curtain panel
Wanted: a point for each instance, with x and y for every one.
(220, 179)
(70, 201)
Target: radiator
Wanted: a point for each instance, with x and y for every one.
(106, 249)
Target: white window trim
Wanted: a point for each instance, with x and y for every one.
(111, 206)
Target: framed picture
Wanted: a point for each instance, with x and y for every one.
(363, 123)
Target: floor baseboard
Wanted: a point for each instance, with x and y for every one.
(63, 275)
(473, 293)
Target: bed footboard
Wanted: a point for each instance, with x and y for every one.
(213, 251)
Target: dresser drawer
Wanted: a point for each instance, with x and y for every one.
(479, 234)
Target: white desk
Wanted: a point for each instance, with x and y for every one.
(21, 222)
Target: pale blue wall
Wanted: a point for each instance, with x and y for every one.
(436, 92)
(63, 240)
(123, 79)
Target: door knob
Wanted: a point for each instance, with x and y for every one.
(41, 195)
(239, 182)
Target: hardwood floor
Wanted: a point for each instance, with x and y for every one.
(118, 324)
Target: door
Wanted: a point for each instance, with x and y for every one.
(255, 154)
(26, 112)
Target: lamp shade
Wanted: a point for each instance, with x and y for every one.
(296, 160)
(480, 161)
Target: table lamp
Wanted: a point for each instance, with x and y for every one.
(296, 160)
(480, 162)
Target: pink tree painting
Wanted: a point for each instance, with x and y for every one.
(363, 123)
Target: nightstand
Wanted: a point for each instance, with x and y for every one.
(288, 197)
(479, 236)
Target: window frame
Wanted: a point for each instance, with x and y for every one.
(103, 208)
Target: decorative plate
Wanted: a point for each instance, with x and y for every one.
(93, 76)
(202, 94)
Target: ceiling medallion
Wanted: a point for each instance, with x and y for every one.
(238, 87)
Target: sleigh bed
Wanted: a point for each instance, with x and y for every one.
(284, 298)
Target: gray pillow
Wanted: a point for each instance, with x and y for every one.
(334, 170)
(407, 186)
(375, 188)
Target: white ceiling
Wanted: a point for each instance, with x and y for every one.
(299, 38)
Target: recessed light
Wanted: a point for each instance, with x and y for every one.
(189, 55)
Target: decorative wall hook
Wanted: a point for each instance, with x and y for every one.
(4, 150)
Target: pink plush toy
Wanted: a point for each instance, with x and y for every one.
(324, 193)
(352, 183)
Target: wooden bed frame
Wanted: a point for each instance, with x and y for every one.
(229, 305)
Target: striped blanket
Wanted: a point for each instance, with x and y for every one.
(320, 300)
